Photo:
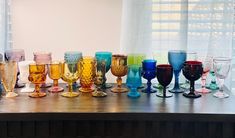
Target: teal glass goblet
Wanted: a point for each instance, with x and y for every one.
(133, 80)
(107, 57)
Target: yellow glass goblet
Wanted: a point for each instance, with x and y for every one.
(55, 69)
(88, 65)
(70, 73)
(119, 69)
(8, 71)
(37, 76)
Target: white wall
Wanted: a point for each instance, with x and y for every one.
(64, 25)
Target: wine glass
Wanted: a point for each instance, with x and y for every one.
(1, 59)
(119, 69)
(133, 80)
(221, 67)
(70, 72)
(73, 57)
(164, 77)
(191, 56)
(149, 73)
(55, 69)
(37, 76)
(43, 58)
(88, 66)
(136, 59)
(192, 70)
(207, 63)
(177, 58)
(8, 72)
(100, 79)
(107, 56)
(16, 55)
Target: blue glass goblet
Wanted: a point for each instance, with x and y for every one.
(133, 80)
(107, 57)
(177, 58)
(72, 57)
(149, 73)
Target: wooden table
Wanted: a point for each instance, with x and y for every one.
(117, 116)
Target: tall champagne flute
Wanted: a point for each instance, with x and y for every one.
(221, 67)
(8, 72)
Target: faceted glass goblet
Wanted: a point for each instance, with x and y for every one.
(8, 72)
(107, 57)
(192, 70)
(133, 80)
(16, 55)
(221, 67)
(149, 73)
(164, 77)
(177, 58)
(119, 69)
(37, 76)
(55, 73)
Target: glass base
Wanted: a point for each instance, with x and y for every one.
(107, 86)
(27, 88)
(11, 94)
(220, 94)
(70, 94)
(168, 95)
(133, 94)
(119, 90)
(56, 89)
(203, 90)
(191, 95)
(46, 85)
(178, 90)
(86, 89)
(99, 94)
(185, 86)
(212, 87)
(19, 85)
(37, 94)
(151, 91)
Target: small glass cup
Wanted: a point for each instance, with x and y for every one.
(8, 72)
(37, 76)
(119, 69)
(55, 73)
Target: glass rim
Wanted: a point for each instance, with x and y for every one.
(55, 62)
(193, 62)
(36, 64)
(5, 62)
(177, 51)
(119, 55)
(41, 53)
(221, 59)
(103, 52)
(164, 66)
(136, 54)
(149, 60)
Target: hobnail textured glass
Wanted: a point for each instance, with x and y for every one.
(88, 66)
(72, 56)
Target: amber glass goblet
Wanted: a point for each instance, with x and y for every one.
(100, 79)
(88, 66)
(55, 69)
(119, 68)
(8, 72)
(37, 76)
(192, 70)
(70, 73)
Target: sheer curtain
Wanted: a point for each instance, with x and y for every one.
(5, 26)
(204, 26)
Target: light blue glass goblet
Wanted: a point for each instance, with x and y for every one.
(177, 58)
(107, 57)
(133, 80)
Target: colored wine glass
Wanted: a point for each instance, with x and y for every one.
(119, 69)
(16, 55)
(71, 72)
(177, 58)
(55, 73)
(8, 72)
(149, 73)
(43, 58)
(134, 80)
(107, 57)
(37, 76)
(206, 63)
(100, 79)
(88, 66)
(192, 70)
(164, 77)
(221, 67)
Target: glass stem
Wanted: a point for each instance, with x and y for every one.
(192, 87)
(37, 88)
(119, 82)
(149, 86)
(176, 79)
(164, 91)
(55, 83)
(70, 86)
(133, 89)
(221, 87)
(203, 81)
